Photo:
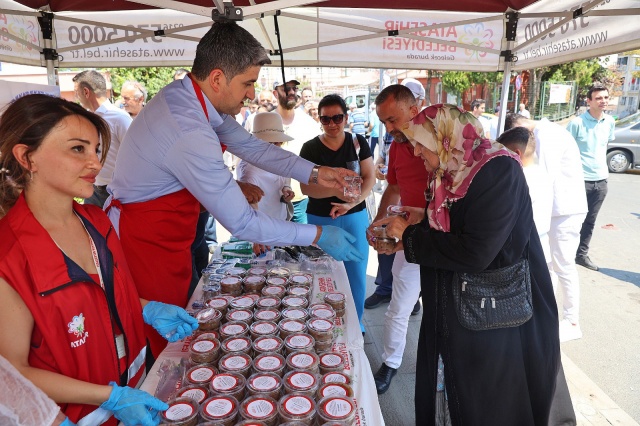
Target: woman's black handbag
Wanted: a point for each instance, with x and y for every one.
(497, 298)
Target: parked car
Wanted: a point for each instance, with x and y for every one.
(624, 152)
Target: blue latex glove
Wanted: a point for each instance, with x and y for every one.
(172, 322)
(133, 406)
(67, 422)
(337, 243)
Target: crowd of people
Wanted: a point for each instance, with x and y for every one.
(486, 229)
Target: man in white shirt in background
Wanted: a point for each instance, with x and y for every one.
(523, 111)
(558, 154)
(302, 128)
(134, 97)
(477, 109)
(90, 88)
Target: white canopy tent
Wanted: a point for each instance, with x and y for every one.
(545, 32)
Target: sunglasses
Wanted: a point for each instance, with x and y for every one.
(324, 119)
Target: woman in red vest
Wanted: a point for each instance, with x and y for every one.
(71, 320)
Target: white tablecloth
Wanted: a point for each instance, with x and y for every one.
(349, 342)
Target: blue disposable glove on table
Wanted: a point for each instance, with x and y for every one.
(170, 321)
(337, 243)
(133, 406)
(67, 422)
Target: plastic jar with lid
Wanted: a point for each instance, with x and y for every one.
(340, 408)
(231, 285)
(244, 423)
(335, 377)
(270, 314)
(335, 299)
(276, 280)
(268, 302)
(267, 344)
(181, 412)
(291, 326)
(254, 283)
(260, 407)
(280, 271)
(222, 409)
(234, 345)
(304, 361)
(269, 363)
(295, 313)
(274, 290)
(263, 328)
(323, 346)
(269, 384)
(242, 302)
(335, 389)
(244, 315)
(233, 329)
(220, 303)
(236, 363)
(238, 271)
(213, 334)
(340, 313)
(324, 312)
(208, 319)
(204, 351)
(299, 342)
(200, 374)
(228, 384)
(394, 210)
(331, 361)
(294, 302)
(258, 270)
(300, 291)
(303, 382)
(297, 407)
(196, 392)
(300, 279)
(321, 329)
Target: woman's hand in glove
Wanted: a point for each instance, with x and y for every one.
(170, 321)
(133, 406)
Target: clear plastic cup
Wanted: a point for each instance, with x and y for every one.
(354, 186)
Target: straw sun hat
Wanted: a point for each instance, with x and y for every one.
(268, 127)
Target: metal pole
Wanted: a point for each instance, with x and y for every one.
(50, 55)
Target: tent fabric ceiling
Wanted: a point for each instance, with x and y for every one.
(491, 6)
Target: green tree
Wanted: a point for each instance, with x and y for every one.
(153, 78)
(456, 82)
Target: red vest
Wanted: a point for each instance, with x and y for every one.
(73, 332)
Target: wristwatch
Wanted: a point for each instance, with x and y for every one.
(314, 174)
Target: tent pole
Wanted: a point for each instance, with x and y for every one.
(50, 55)
(508, 59)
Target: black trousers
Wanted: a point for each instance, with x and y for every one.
(596, 193)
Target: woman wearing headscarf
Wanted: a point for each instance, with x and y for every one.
(489, 360)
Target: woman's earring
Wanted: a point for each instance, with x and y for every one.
(30, 174)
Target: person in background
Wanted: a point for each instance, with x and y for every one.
(160, 179)
(559, 156)
(523, 111)
(374, 128)
(479, 221)
(306, 95)
(301, 127)
(90, 88)
(477, 109)
(357, 120)
(313, 111)
(592, 132)
(328, 206)
(71, 320)
(134, 97)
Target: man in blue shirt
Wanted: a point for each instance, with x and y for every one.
(357, 120)
(592, 131)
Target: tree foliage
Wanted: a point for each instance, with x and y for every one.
(153, 78)
(456, 82)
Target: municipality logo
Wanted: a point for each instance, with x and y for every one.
(76, 327)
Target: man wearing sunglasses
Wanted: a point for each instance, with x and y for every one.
(299, 126)
(396, 105)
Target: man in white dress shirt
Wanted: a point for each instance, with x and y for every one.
(90, 88)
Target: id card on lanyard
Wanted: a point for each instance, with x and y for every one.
(120, 346)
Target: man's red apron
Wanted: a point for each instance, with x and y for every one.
(156, 237)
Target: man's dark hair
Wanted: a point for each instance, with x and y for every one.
(93, 81)
(595, 88)
(230, 48)
(331, 100)
(399, 92)
(512, 120)
(515, 138)
(476, 103)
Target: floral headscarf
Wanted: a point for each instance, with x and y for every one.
(456, 137)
